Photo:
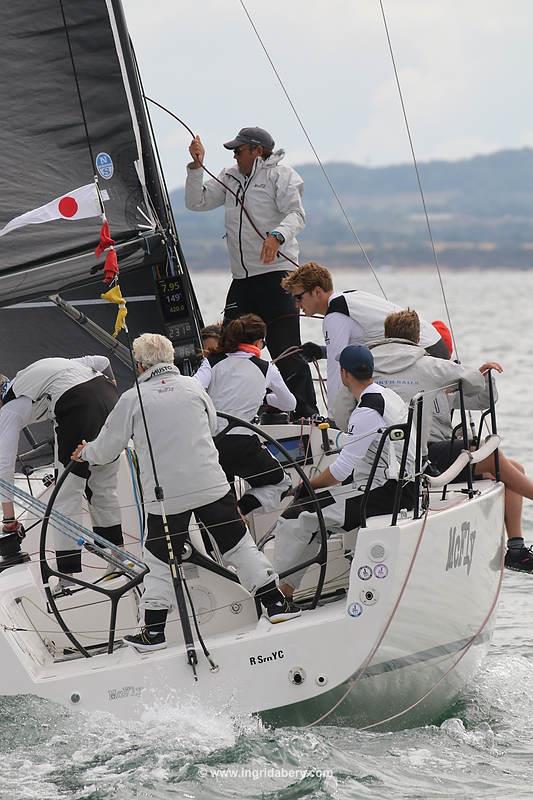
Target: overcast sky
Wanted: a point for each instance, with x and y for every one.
(465, 68)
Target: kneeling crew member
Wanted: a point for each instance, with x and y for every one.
(345, 479)
(76, 395)
(237, 379)
(181, 421)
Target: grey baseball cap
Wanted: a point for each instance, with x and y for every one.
(251, 136)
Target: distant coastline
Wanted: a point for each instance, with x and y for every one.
(480, 209)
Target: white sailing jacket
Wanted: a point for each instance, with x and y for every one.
(355, 317)
(445, 402)
(237, 383)
(407, 369)
(272, 195)
(378, 408)
(32, 395)
(46, 380)
(181, 423)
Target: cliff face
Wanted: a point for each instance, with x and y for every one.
(480, 209)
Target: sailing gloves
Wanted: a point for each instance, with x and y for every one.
(312, 351)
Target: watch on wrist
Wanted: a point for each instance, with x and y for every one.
(279, 236)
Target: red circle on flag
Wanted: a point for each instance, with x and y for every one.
(68, 206)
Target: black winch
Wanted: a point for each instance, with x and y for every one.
(10, 552)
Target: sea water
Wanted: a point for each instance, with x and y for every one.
(482, 747)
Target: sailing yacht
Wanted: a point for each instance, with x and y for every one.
(397, 617)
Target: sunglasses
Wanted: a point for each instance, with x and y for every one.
(238, 150)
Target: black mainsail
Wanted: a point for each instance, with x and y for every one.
(74, 109)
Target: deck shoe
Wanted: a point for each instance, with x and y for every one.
(146, 640)
(282, 610)
(64, 586)
(520, 559)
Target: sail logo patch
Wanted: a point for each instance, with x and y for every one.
(104, 165)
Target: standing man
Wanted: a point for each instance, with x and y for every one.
(77, 396)
(263, 216)
(180, 420)
(350, 317)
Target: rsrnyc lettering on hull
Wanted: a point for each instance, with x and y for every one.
(275, 655)
(460, 547)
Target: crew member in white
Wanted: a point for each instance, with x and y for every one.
(263, 212)
(181, 421)
(417, 371)
(350, 317)
(237, 380)
(345, 479)
(76, 395)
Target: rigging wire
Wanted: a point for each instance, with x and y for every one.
(313, 148)
(353, 681)
(454, 663)
(419, 181)
(75, 72)
(172, 618)
(175, 253)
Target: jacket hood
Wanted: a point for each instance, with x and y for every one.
(274, 159)
(159, 369)
(395, 355)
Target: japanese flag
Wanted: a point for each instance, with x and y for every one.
(79, 204)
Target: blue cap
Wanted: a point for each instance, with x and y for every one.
(357, 360)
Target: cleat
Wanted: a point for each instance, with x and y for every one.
(145, 641)
(282, 611)
(520, 560)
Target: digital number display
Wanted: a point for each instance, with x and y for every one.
(297, 446)
(172, 298)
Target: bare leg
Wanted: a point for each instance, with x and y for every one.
(512, 475)
(513, 514)
(513, 499)
(287, 590)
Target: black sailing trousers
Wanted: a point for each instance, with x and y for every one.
(263, 295)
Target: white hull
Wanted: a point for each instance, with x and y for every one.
(295, 672)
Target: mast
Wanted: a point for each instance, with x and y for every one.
(175, 295)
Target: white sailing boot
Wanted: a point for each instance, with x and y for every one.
(257, 575)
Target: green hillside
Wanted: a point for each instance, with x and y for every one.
(481, 214)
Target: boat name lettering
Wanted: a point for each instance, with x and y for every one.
(125, 691)
(460, 547)
(275, 655)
